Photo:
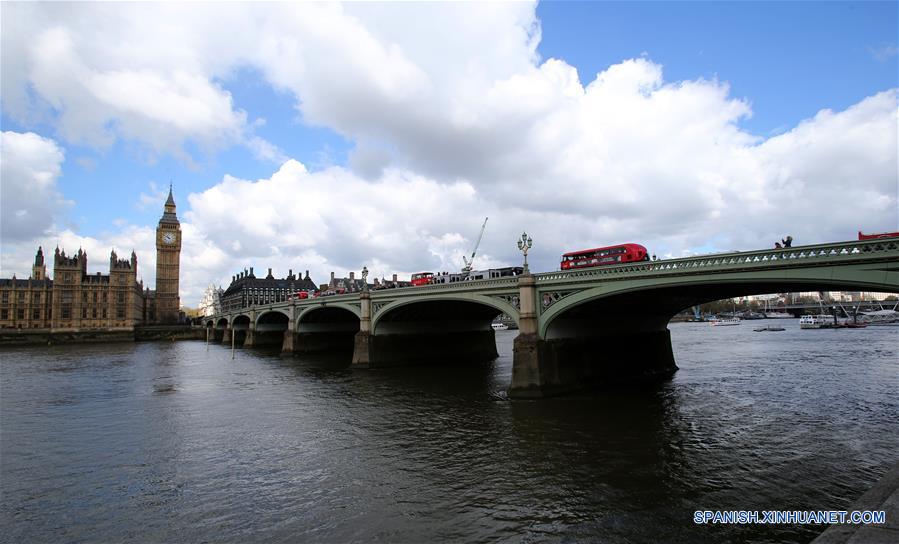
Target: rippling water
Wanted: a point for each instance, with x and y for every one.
(165, 442)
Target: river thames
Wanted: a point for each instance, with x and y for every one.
(169, 442)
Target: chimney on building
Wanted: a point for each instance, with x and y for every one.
(332, 277)
(394, 278)
(290, 273)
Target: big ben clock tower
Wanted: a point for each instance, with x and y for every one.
(168, 256)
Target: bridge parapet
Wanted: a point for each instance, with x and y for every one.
(801, 256)
(479, 285)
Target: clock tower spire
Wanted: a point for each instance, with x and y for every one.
(168, 257)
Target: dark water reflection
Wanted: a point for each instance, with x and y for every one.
(163, 442)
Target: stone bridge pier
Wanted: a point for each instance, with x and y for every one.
(289, 342)
(597, 343)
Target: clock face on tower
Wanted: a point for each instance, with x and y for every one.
(168, 238)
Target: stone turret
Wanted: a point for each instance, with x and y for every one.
(122, 264)
(60, 259)
(39, 270)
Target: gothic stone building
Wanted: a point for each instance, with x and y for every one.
(76, 300)
(27, 303)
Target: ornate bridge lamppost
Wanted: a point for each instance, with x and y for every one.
(524, 245)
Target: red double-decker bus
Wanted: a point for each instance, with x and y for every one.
(601, 256)
(422, 278)
(877, 236)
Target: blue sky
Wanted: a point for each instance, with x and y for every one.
(781, 56)
(418, 105)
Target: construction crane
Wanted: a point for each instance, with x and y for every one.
(467, 268)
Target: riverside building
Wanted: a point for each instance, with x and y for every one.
(75, 300)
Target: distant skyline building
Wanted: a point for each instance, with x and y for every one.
(835, 296)
(211, 303)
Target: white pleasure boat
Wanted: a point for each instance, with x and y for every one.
(725, 322)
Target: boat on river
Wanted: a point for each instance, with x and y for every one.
(769, 329)
(725, 322)
(820, 321)
(499, 326)
(772, 314)
(879, 317)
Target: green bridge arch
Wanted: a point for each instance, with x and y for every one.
(698, 289)
(491, 301)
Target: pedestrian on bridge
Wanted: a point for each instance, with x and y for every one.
(788, 241)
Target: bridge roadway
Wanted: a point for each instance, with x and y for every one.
(576, 328)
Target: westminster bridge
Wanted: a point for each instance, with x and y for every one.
(576, 327)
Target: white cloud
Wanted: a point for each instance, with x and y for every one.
(101, 73)
(154, 198)
(885, 52)
(453, 118)
(333, 217)
(30, 166)
(699, 182)
(19, 256)
(154, 73)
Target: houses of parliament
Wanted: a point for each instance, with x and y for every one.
(75, 300)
